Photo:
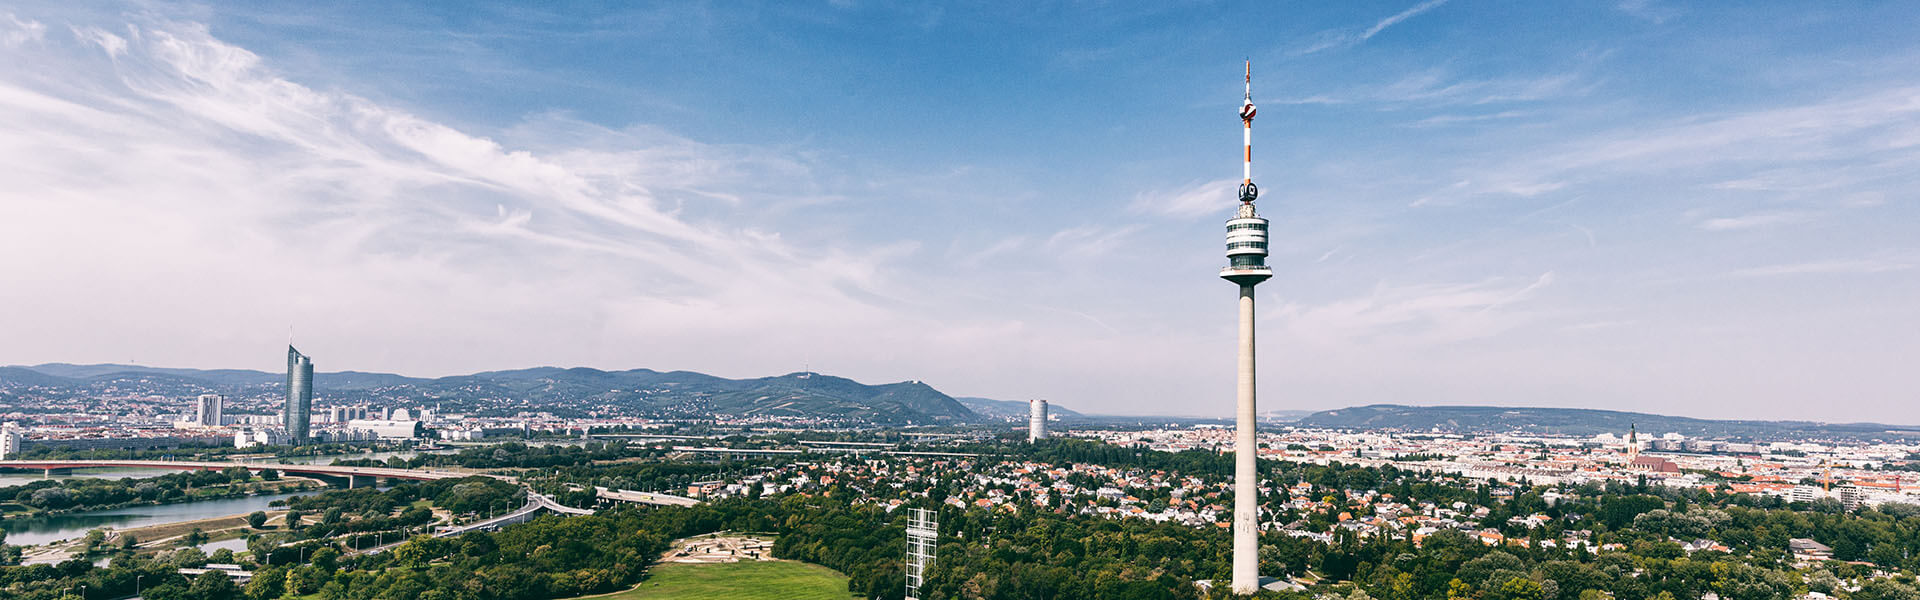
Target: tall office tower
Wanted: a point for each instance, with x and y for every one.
(1247, 267)
(10, 440)
(208, 409)
(1036, 420)
(297, 414)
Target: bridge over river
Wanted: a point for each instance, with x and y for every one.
(352, 474)
(536, 502)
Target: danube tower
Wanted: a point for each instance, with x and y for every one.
(1247, 253)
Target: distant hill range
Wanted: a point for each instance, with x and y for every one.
(1011, 409)
(561, 391)
(1581, 422)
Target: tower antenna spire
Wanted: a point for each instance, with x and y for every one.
(1248, 191)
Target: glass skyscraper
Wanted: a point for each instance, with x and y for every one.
(299, 410)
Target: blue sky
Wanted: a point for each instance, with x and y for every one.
(1643, 205)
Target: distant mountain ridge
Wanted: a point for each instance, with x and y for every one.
(569, 391)
(1010, 409)
(1577, 421)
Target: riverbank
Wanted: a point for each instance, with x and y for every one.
(287, 484)
(54, 529)
(154, 538)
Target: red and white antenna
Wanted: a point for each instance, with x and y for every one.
(1248, 191)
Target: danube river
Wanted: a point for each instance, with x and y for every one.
(29, 531)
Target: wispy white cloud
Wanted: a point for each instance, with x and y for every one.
(1856, 266)
(1440, 87)
(1650, 10)
(1409, 13)
(1761, 219)
(1455, 119)
(257, 191)
(1332, 39)
(15, 31)
(1189, 202)
(1090, 240)
(1417, 315)
(1875, 135)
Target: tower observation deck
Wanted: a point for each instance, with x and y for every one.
(1247, 230)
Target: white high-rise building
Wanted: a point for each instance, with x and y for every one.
(1036, 420)
(209, 410)
(10, 440)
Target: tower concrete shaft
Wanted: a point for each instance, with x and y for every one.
(1246, 476)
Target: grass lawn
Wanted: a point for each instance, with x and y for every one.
(752, 580)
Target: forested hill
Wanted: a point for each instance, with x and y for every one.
(1579, 421)
(562, 391)
(1010, 409)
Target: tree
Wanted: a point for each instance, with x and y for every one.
(212, 585)
(1886, 589)
(257, 520)
(325, 559)
(1516, 588)
(196, 537)
(267, 583)
(237, 474)
(414, 553)
(188, 558)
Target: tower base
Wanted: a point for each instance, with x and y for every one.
(1271, 584)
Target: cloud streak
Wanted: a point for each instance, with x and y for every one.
(1329, 40)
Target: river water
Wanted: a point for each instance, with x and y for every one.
(13, 478)
(52, 528)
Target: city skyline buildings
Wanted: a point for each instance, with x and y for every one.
(1654, 206)
(297, 415)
